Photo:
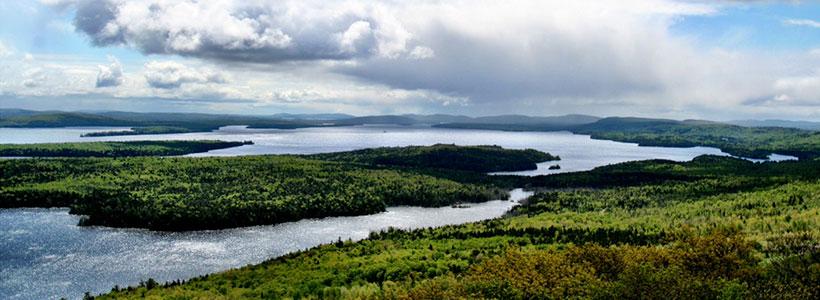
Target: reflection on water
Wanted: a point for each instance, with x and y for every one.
(46, 256)
(578, 152)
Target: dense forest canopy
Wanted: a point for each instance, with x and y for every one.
(204, 193)
(115, 149)
(720, 228)
(140, 131)
(711, 228)
(466, 158)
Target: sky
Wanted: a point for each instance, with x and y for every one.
(718, 60)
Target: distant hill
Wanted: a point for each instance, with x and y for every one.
(206, 122)
(523, 123)
(778, 123)
(626, 124)
(437, 118)
(751, 142)
(190, 121)
(59, 119)
(321, 117)
(568, 120)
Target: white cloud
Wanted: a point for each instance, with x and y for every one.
(421, 52)
(33, 77)
(468, 56)
(803, 90)
(4, 50)
(256, 31)
(802, 22)
(172, 75)
(110, 75)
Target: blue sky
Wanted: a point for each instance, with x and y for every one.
(760, 27)
(678, 59)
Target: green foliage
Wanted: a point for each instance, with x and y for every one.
(115, 149)
(465, 158)
(149, 123)
(60, 119)
(140, 130)
(732, 230)
(753, 142)
(208, 193)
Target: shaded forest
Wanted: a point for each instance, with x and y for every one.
(115, 149)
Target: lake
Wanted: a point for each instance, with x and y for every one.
(43, 254)
(578, 152)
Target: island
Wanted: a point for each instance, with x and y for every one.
(464, 158)
(115, 149)
(183, 193)
(140, 131)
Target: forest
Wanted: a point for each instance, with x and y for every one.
(712, 228)
(452, 157)
(115, 149)
(183, 193)
(750, 142)
(150, 122)
(140, 131)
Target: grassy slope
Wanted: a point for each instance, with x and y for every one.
(115, 149)
(710, 236)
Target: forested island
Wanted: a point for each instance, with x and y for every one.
(140, 131)
(213, 192)
(465, 158)
(115, 149)
(712, 228)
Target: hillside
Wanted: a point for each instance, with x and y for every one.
(752, 142)
(747, 234)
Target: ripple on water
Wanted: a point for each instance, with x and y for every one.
(63, 260)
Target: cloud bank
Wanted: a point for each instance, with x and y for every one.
(530, 56)
(255, 31)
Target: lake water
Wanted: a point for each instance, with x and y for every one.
(578, 152)
(46, 256)
(43, 254)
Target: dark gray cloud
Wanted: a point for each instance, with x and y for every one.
(96, 18)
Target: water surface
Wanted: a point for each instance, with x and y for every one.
(577, 152)
(44, 255)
